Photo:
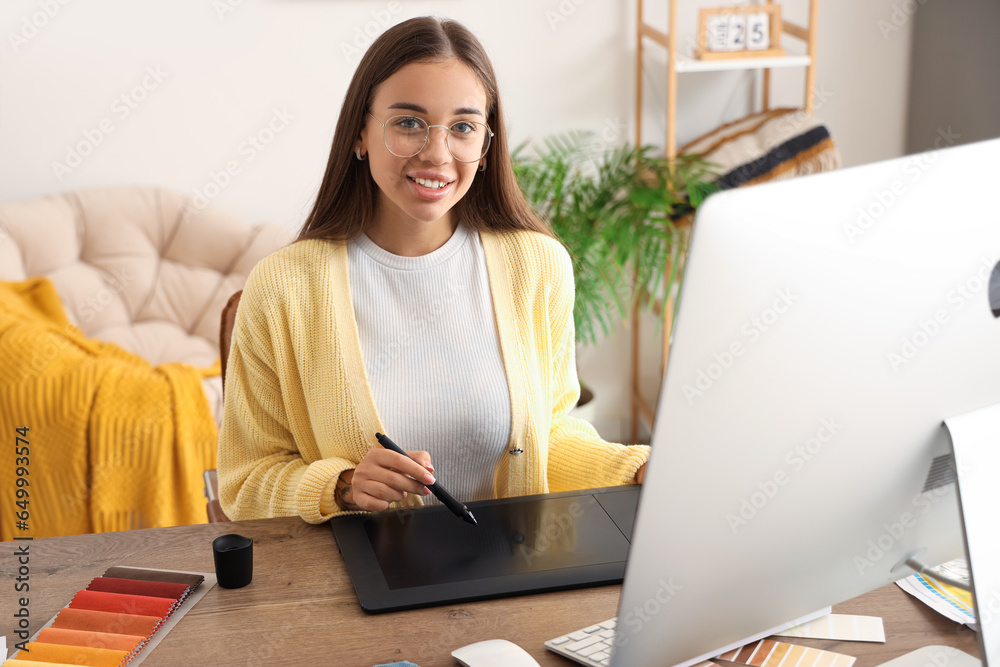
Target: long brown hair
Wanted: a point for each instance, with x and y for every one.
(345, 204)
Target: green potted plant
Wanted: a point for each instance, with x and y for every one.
(614, 210)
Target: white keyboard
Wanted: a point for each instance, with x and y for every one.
(591, 646)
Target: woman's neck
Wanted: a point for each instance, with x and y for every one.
(411, 238)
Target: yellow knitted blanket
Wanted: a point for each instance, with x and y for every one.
(94, 438)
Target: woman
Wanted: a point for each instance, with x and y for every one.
(422, 299)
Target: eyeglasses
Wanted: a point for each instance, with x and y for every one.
(405, 136)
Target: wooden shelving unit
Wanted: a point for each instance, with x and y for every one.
(681, 64)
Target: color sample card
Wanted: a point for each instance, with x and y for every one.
(769, 653)
(842, 627)
(116, 620)
(954, 603)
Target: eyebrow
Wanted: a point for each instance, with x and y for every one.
(410, 106)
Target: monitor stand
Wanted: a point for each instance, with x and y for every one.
(975, 444)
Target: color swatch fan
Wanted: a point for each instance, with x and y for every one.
(114, 619)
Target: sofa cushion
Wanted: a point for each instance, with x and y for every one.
(137, 266)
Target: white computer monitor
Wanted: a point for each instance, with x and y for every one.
(827, 325)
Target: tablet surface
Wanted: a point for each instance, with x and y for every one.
(419, 557)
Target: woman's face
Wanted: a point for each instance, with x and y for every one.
(423, 189)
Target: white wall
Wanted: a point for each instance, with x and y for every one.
(222, 75)
(172, 92)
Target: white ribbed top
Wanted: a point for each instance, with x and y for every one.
(432, 353)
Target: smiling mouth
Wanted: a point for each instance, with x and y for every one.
(430, 183)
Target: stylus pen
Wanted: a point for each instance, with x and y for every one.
(457, 508)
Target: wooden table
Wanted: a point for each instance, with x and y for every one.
(301, 608)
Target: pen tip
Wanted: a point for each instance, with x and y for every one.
(471, 519)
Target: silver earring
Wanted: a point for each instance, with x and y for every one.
(357, 152)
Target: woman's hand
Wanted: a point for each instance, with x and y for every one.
(640, 474)
(383, 477)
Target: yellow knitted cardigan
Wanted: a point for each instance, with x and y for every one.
(113, 443)
(299, 410)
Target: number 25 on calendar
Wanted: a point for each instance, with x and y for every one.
(739, 32)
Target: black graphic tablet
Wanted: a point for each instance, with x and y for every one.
(402, 559)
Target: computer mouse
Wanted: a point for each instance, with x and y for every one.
(494, 653)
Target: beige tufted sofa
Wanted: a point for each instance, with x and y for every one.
(137, 266)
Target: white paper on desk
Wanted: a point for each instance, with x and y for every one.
(751, 639)
(3, 648)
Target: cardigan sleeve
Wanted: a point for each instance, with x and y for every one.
(578, 457)
(261, 471)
